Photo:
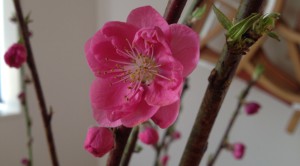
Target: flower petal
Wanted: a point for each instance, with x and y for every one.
(167, 115)
(185, 47)
(105, 95)
(166, 87)
(92, 61)
(101, 116)
(140, 115)
(109, 103)
(147, 17)
(121, 33)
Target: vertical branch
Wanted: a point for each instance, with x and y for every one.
(121, 137)
(30, 61)
(174, 10)
(219, 81)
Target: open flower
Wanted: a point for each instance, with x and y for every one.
(140, 66)
(149, 136)
(99, 141)
(15, 56)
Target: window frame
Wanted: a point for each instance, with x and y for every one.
(10, 78)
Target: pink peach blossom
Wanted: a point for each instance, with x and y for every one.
(99, 141)
(149, 136)
(251, 108)
(15, 56)
(238, 150)
(140, 66)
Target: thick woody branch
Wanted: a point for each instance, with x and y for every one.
(121, 137)
(174, 10)
(219, 82)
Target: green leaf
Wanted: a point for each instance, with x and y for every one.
(273, 35)
(226, 23)
(240, 28)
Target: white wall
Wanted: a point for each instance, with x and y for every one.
(60, 29)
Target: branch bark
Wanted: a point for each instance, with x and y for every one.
(121, 137)
(37, 84)
(219, 81)
(174, 10)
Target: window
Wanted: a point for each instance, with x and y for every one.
(9, 78)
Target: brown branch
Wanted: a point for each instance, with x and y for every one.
(219, 81)
(231, 122)
(174, 10)
(121, 137)
(37, 84)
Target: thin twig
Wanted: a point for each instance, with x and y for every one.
(242, 98)
(159, 147)
(219, 81)
(37, 84)
(27, 118)
(130, 147)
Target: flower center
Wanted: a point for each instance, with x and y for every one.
(139, 69)
(143, 69)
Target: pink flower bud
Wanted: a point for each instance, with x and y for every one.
(149, 136)
(176, 135)
(21, 97)
(99, 141)
(238, 150)
(251, 108)
(25, 161)
(15, 56)
(164, 160)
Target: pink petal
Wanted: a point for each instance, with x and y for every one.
(120, 33)
(185, 47)
(166, 88)
(104, 94)
(101, 116)
(109, 103)
(152, 41)
(140, 115)
(106, 56)
(147, 17)
(103, 49)
(92, 61)
(167, 115)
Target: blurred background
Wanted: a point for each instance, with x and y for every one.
(60, 29)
